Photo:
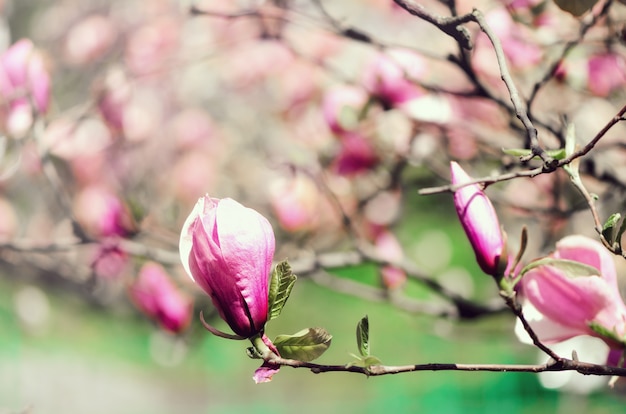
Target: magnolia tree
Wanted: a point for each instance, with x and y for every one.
(302, 129)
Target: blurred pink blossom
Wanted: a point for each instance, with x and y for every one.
(109, 261)
(114, 95)
(295, 201)
(255, 62)
(89, 40)
(389, 248)
(341, 107)
(391, 77)
(517, 42)
(606, 73)
(155, 294)
(356, 155)
(24, 86)
(152, 46)
(193, 173)
(193, 128)
(101, 213)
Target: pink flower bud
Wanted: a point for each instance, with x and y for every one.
(479, 221)
(23, 79)
(568, 304)
(227, 249)
(154, 294)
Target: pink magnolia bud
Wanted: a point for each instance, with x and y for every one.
(154, 293)
(480, 222)
(227, 249)
(568, 304)
(23, 79)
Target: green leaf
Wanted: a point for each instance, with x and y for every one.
(370, 360)
(557, 154)
(516, 152)
(606, 332)
(306, 345)
(608, 229)
(365, 362)
(362, 336)
(618, 237)
(570, 267)
(281, 283)
(575, 7)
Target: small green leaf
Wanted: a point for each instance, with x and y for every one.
(362, 336)
(608, 229)
(281, 283)
(557, 154)
(618, 237)
(570, 148)
(516, 152)
(606, 332)
(370, 360)
(570, 267)
(306, 345)
(575, 7)
(365, 362)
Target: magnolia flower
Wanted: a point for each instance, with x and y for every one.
(560, 305)
(154, 294)
(24, 86)
(227, 249)
(480, 222)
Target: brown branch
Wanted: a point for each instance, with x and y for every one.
(535, 171)
(452, 26)
(563, 364)
(518, 105)
(461, 307)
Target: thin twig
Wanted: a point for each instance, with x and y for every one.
(569, 46)
(452, 26)
(563, 364)
(534, 171)
(520, 109)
